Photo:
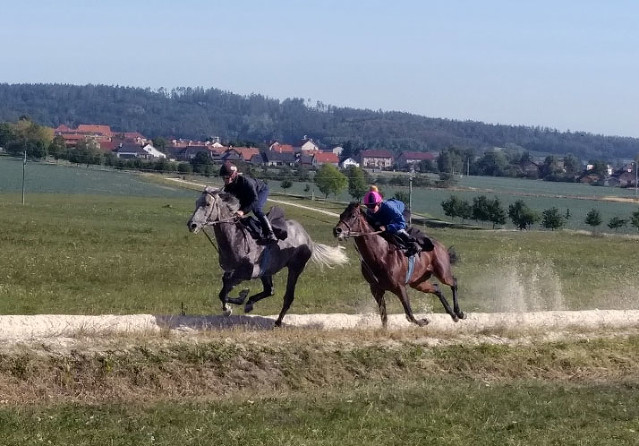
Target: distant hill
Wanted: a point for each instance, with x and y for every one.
(198, 113)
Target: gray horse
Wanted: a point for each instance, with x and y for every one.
(242, 258)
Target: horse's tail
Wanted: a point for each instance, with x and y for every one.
(452, 255)
(328, 255)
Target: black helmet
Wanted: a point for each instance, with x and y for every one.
(227, 169)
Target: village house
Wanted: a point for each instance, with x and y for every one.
(348, 162)
(133, 151)
(102, 134)
(275, 158)
(320, 158)
(376, 159)
(406, 159)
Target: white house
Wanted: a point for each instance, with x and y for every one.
(348, 162)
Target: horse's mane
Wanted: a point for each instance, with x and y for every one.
(356, 205)
(231, 202)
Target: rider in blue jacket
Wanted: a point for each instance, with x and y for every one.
(388, 216)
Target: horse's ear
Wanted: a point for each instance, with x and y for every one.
(211, 190)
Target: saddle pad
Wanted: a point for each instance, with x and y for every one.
(424, 241)
(278, 222)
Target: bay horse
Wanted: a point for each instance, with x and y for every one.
(242, 258)
(386, 268)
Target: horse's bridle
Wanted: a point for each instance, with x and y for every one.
(352, 233)
(233, 219)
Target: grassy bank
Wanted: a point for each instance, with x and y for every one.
(295, 388)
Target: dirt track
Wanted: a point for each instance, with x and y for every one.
(37, 328)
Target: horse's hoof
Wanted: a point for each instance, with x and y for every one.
(228, 312)
(461, 315)
(455, 318)
(423, 322)
(248, 307)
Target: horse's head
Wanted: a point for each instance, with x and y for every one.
(349, 221)
(210, 207)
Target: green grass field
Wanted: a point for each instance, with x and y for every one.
(132, 253)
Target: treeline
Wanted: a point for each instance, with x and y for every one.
(199, 113)
(487, 210)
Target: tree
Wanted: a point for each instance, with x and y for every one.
(617, 222)
(496, 214)
(599, 167)
(552, 219)
(57, 148)
(480, 208)
(286, 184)
(329, 180)
(450, 160)
(484, 209)
(572, 165)
(634, 221)
(160, 143)
(593, 218)
(456, 207)
(551, 167)
(357, 186)
(87, 151)
(493, 163)
(201, 162)
(521, 215)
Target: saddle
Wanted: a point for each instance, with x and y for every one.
(422, 239)
(425, 243)
(275, 215)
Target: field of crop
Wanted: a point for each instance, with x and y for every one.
(101, 242)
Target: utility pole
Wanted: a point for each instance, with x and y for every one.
(24, 164)
(635, 180)
(410, 194)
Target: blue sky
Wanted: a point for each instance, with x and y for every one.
(564, 64)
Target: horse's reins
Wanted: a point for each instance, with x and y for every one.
(351, 233)
(234, 219)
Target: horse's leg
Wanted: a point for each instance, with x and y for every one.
(267, 283)
(442, 270)
(289, 295)
(227, 286)
(378, 294)
(460, 314)
(432, 288)
(228, 283)
(403, 298)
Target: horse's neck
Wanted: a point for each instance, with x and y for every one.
(371, 246)
(234, 243)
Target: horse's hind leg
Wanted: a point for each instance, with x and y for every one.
(378, 294)
(289, 295)
(267, 283)
(403, 298)
(432, 288)
(456, 308)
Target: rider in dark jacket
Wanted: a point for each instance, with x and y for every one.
(252, 194)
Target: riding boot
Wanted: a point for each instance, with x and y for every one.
(412, 247)
(267, 229)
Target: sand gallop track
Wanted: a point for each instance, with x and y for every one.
(35, 328)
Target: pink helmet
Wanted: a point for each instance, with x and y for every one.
(372, 198)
